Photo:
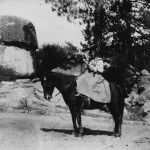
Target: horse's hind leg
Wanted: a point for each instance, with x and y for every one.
(120, 118)
(118, 125)
(117, 114)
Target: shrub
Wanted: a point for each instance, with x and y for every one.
(7, 73)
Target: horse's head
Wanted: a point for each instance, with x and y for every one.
(48, 88)
(59, 80)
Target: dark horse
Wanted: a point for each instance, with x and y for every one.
(67, 86)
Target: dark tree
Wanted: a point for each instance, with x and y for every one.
(114, 28)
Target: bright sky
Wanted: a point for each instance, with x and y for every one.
(49, 27)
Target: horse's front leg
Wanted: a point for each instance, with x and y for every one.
(74, 117)
(80, 124)
(79, 105)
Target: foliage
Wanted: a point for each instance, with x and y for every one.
(54, 55)
(57, 50)
(114, 28)
(7, 74)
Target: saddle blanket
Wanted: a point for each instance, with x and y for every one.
(94, 86)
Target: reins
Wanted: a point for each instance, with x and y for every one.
(70, 83)
(67, 85)
(64, 88)
(52, 97)
(57, 112)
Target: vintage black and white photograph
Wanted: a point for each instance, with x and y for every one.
(74, 74)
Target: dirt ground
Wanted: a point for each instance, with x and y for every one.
(48, 125)
(20, 131)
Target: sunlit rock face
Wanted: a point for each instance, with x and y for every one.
(17, 59)
(18, 44)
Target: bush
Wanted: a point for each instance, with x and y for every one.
(54, 55)
(7, 74)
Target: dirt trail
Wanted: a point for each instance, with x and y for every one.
(34, 132)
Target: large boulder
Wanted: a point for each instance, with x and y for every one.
(144, 80)
(144, 99)
(25, 96)
(144, 96)
(18, 32)
(18, 44)
(145, 73)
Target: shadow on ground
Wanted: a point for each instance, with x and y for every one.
(86, 131)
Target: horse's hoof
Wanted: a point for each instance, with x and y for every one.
(75, 134)
(81, 135)
(117, 135)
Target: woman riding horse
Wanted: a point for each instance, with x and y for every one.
(76, 104)
(67, 86)
(92, 83)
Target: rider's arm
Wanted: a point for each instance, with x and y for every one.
(100, 66)
(92, 66)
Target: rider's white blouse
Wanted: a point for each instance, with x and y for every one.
(97, 65)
